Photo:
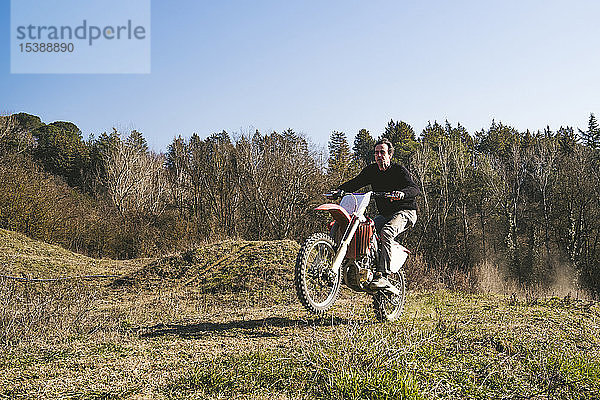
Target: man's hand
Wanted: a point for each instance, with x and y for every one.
(335, 194)
(397, 195)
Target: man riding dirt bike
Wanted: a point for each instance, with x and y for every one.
(395, 211)
(352, 250)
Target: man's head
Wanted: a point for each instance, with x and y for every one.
(384, 150)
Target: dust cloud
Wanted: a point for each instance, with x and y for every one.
(494, 277)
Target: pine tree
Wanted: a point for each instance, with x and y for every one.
(566, 138)
(363, 148)
(402, 136)
(136, 141)
(498, 139)
(62, 151)
(591, 137)
(339, 149)
(432, 135)
(339, 153)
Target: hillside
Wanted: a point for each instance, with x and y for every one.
(227, 266)
(23, 256)
(222, 321)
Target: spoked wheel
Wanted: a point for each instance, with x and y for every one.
(316, 284)
(389, 306)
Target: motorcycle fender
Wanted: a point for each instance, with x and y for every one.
(339, 214)
(398, 257)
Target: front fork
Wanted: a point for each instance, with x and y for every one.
(344, 243)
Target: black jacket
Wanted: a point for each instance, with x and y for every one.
(395, 178)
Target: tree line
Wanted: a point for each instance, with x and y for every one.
(526, 200)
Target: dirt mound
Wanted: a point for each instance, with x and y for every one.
(228, 266)
(23, 256)
(223, 267)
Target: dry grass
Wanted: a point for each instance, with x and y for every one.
(181, 343)
(22, 256)
(178, 337)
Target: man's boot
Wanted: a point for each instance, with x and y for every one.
(379, 281)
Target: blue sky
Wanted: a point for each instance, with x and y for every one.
(319, 66)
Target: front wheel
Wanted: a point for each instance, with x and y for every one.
(317, 285)
(389, 306)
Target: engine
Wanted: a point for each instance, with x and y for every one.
(359, 271)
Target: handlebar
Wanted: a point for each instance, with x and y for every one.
(337, 194)
(334, 194)
(389, 195)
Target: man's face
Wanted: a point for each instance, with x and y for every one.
(382, 157)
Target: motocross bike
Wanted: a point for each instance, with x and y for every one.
(349, 253)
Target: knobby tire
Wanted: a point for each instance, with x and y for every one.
(388, 306)
(313, 268)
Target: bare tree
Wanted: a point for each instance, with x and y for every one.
(492, 191)
(462, 163)
(177, 164)
(543, 159)
(279, 176)
(515, 172)
(135, 180)
(13, 137)
(421, 167)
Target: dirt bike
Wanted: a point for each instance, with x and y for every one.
(350, 252)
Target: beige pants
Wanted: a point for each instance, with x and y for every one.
(388, 228)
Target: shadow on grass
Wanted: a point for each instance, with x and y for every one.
(249, 328)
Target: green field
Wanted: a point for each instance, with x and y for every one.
(222, 321)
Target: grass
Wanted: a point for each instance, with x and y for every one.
(22, 256)
(226, 267)
(204, 324)
(449, 346)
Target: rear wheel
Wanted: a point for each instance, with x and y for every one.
(317, 285)
(389, 306)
